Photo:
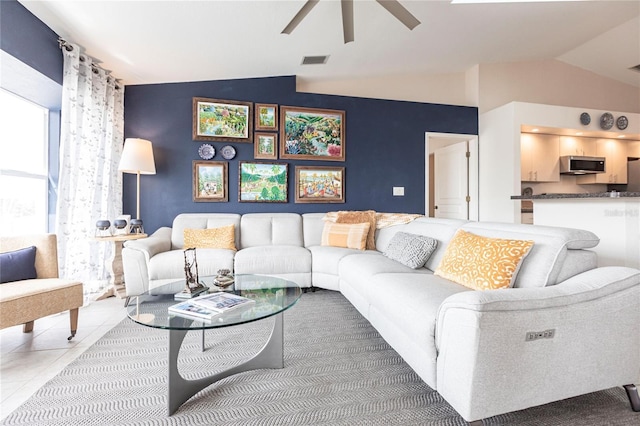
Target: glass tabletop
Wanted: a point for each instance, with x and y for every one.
(269, 295)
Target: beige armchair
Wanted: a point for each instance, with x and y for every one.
(22, 302)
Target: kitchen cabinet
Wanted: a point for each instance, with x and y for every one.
(575, 145)
(539, 158)
(633, 149)
(615, 153)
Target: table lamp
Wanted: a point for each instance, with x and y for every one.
(137, 157)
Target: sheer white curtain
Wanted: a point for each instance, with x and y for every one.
(90, 186)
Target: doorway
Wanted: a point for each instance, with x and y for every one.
(455, 181)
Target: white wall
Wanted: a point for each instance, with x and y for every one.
(447, 89)
(554, 83)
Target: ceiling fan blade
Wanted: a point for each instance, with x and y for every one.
(302, 13)
(347, 20)
(401, 14)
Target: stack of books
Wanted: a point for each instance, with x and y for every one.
(210, 306)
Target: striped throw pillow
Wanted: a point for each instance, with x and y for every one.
(353, 236)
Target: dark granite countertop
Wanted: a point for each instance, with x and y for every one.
(584, 195)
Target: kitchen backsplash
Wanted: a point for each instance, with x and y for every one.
(567, 184)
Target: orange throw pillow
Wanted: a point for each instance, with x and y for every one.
(361, 217)
(353, 236)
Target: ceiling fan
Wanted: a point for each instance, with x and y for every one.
(392, 6)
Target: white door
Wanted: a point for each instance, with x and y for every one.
(452, 181)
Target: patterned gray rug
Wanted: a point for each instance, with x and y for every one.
(338, 371)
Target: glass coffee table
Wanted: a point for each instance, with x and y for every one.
(272, 297)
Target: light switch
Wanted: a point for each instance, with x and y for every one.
(398, 191)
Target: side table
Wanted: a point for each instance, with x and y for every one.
(114, 265)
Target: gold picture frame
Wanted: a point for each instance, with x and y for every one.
(265, 146)
(210, 181)
(319, 184)
(222, 120)
(266, 117)
(312, 134)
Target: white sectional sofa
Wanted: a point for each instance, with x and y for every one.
(566, 328)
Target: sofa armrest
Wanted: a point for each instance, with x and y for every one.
(506, 350)
(158, 242)
(135, 259)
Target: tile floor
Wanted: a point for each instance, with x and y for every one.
(29, 360)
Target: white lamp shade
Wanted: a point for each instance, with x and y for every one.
(137, 157)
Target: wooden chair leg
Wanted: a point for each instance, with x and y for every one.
(27, 327)
(73, 321)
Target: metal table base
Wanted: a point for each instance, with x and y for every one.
(180, 389)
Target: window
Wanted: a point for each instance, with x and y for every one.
(23, 165)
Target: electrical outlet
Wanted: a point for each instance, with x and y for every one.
(535, 335)
(398, 191)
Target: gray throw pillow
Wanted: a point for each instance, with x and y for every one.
(410, 249)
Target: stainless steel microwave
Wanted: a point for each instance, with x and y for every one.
(581, 165)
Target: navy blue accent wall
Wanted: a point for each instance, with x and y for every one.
(28, 39)
(385, 147)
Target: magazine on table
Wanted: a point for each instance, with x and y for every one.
(211, 305)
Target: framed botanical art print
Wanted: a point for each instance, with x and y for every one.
(262, 182)
(266, 117)
(312, 134)
(210, 181)
(265, 146)
(319, 184)
(220, 120)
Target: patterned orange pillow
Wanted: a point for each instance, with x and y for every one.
(482, 263)
(353, 236)
(222, 238)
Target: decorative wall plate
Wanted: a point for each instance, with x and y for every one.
(622, 122)
(585, 118)
(606, 121)
(206, 151)
(228, 152)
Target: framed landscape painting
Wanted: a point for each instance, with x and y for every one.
(319, 184)
(265, 146)
(262, 182)
(210, 181)
(220, 120)
(266, 117)
(312, 134)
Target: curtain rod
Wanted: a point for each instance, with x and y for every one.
(63, 44)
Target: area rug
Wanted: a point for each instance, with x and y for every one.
(338, 371)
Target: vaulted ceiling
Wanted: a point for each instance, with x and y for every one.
(169, 41)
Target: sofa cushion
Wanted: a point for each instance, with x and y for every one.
(411, 301)
(170, 264)
(544, 263)
(18, 265)
(280, 259)
(353, 236)
(265, 229)
(368, 216)
(201, 221)
(326, 259)
(222, 238)
(364, 266)
(410, 249)
(482, 263)
(436, 228)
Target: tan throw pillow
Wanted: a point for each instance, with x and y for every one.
(353, 236)
(221, 238)
(361, 217)
(482, 263)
